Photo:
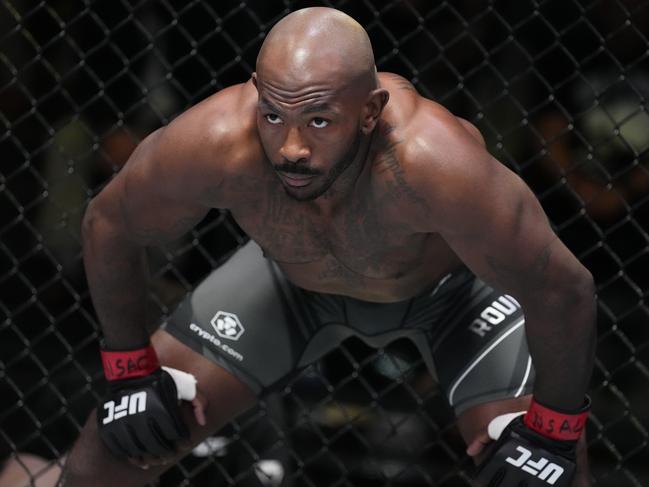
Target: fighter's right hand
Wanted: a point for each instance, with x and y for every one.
(140, 415)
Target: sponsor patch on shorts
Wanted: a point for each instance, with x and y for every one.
(207, 336)
(227, 325)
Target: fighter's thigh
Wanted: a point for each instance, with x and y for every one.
(90, 463)
(473, 423)
(226, 396)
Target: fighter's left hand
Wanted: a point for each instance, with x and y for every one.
(199, 405)
(536, 448)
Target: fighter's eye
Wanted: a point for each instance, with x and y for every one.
(319, 123)
(273, 119)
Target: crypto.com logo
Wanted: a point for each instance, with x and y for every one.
(227, 325)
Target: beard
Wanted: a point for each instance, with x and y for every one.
(329, 178)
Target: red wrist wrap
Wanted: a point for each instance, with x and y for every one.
(556, 425)
(129, 364)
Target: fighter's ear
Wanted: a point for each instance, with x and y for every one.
(376, 101)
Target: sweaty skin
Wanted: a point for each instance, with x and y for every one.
(355, 185)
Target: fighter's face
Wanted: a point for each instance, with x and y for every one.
(310, 135)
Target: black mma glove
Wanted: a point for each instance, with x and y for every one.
(536, 448)
(141, 412)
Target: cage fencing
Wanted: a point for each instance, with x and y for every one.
(559, 89)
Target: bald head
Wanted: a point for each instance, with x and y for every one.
(318, 100)
(318, 43)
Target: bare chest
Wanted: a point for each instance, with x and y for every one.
(364, 241)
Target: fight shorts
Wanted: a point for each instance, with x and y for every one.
(249, 319)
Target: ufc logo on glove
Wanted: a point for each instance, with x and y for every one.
(146, 388)
(129, 405)
(530, 449)
(542, 468)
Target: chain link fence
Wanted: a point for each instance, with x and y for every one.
(558, 88)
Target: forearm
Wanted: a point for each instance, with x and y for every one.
(561, 335)
(117, 275)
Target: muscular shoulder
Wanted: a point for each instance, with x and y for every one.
(224, 121)
(435, 137)
(415, 117)
(434, 154)
(210, 141)
(178, 172)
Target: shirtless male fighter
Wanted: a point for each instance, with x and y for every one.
(373, 212)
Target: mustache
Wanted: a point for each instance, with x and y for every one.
(296, 168)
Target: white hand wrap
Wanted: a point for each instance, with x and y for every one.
(499, 423)
(185, 383)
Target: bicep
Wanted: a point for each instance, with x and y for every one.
(147, 200)
(500, 231)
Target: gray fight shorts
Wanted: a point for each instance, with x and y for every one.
(249, 319)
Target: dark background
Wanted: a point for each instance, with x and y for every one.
(559, 89)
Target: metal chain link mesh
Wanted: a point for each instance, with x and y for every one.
(558, 88)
